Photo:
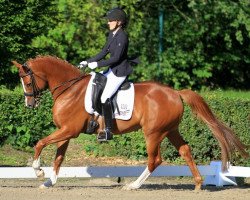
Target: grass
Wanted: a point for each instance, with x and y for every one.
(13, 157)
(75, 156)
(10, 156)
(228, 93)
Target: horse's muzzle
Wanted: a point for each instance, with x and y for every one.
(33, 103)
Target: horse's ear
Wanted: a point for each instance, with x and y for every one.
(17, 64)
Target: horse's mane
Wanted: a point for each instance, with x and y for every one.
(53, 59)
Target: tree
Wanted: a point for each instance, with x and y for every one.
(202, 40)
(21, 21)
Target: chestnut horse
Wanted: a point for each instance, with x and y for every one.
(158, 110)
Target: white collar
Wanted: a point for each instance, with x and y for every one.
(116, 31)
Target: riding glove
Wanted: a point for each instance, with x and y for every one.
(92, 65)
(83, 64)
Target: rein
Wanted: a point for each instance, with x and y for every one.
(71, 81)
(36, 91)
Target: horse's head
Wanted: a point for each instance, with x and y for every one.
(32, 84)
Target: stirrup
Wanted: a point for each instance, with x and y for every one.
(104, 135)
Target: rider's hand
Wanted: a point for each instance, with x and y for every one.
(92, 65)
(83, 64)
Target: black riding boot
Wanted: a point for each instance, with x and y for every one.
(107, 112)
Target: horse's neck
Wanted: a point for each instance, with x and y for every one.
(58, 74)
(60, 79)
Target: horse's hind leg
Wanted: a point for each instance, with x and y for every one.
(61, 150)
(184, 150)
(154, 160)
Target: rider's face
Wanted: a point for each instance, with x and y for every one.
(113, 25)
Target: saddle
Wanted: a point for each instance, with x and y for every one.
(98, 85)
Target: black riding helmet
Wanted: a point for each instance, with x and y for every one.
(117, 14)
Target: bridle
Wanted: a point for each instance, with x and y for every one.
(37, 92)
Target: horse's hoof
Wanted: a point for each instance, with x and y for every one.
(197, 188)
(129, 187)
(40, 174)
(46, 184)
(43, 187)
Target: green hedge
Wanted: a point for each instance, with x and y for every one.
(20, 126)
(23, 127)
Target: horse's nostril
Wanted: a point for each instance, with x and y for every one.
(30, 106)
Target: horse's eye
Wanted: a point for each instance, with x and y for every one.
(28, 84)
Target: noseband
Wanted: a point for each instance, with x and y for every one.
(36, 92)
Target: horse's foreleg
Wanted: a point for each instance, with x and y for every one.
(185, 152)
(61, 150)
(36, 166)
(154, 160)
(57, 136)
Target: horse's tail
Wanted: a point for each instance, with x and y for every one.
(227, 139)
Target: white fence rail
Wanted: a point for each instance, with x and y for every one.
(213, 174)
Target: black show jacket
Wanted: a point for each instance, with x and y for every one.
(117, 47)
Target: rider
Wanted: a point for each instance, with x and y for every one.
(119, 67)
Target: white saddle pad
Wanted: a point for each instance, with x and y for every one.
(125, 101)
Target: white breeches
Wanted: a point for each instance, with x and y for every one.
(112, 85)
